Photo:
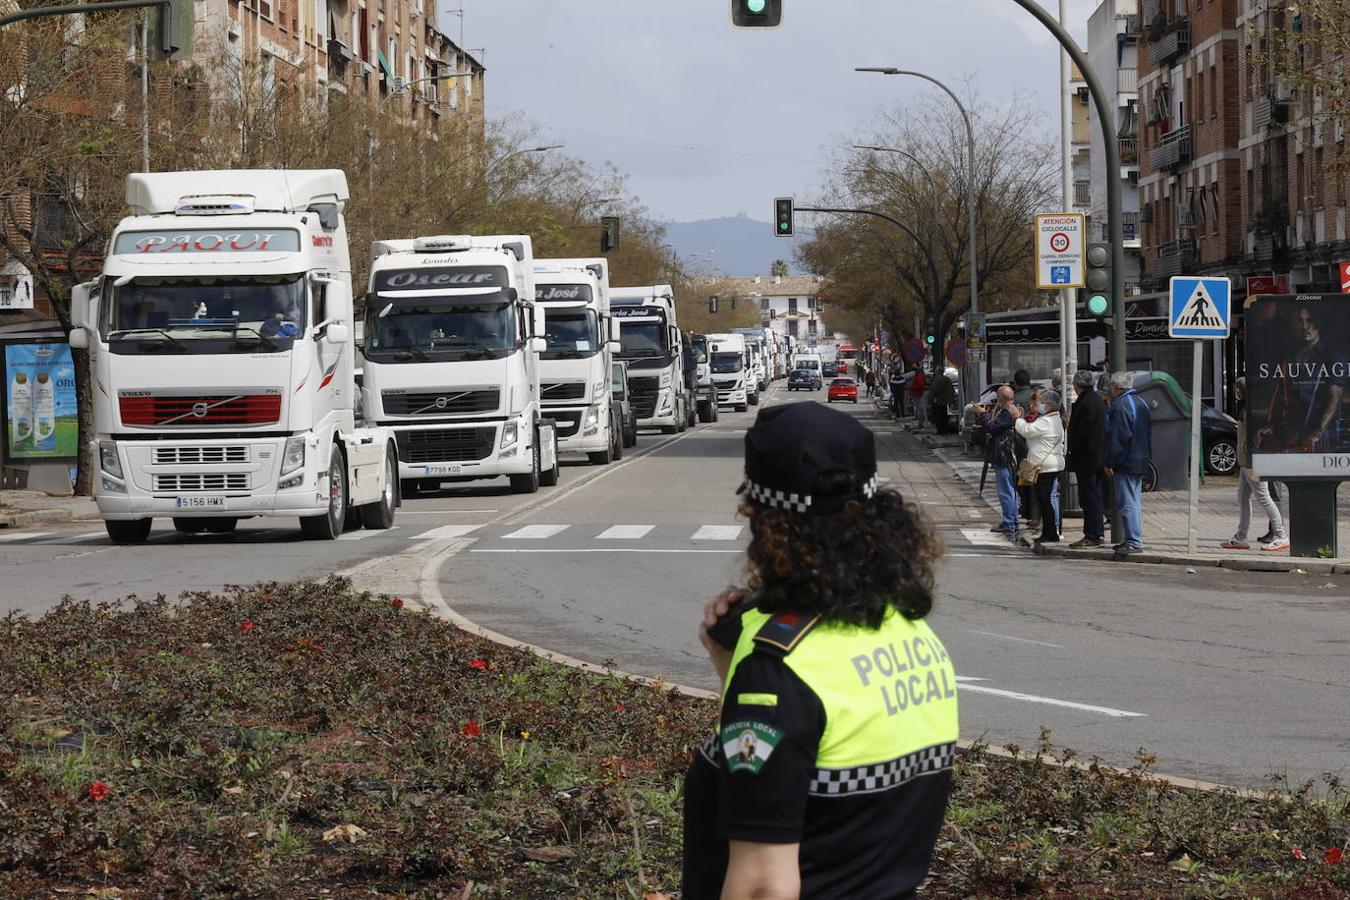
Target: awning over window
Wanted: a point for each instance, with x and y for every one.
(384, 66)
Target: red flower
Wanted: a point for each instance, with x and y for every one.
(98, 790)
(477, 664)
(1298, 853)
(471, 729)
(246, 626)
(618, 707)
(398, 603)
(1334, 856)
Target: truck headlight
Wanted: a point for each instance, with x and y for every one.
(107, 459)
(293, 456)
(111, 486)
(593, 416)
(510, 434)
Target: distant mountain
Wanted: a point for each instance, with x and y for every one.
(737, 245)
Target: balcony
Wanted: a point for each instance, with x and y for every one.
(1174, 258)
(1174, 42)
(1130, 25)
(1129, 151)
(1146, 215)
(1127, 81)
(1267, 111)
(1173, 150)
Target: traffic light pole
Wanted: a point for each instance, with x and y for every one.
(1106, 112)
(42, 12)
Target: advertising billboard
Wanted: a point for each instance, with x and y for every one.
(41, 412)
(1298, 371)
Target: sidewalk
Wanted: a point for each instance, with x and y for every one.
(24, 509)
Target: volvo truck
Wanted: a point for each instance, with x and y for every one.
(653, 347)
(705, 391)
(453, 337)
(731, 370)
(575, 366)
(222, 360)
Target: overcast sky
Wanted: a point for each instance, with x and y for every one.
(709, 120)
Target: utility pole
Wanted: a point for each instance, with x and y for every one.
(1068, 306)
(145, 93)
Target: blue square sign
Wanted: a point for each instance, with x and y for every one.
(1060, 274)
(1200, 307)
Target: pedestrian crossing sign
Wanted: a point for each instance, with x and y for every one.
(1201, 308)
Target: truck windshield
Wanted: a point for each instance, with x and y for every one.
(701, 352)
(642, 339)
(571, 333)
(439, 329)
(723, 363)
(205, 315)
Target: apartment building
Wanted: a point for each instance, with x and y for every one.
(1113, 52)
(1081, 146)
(789, 304)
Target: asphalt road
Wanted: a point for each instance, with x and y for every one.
(1224, 676)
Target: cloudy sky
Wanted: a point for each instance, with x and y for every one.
(710, 120)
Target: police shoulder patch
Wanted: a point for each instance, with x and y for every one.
(783, 632)
(748, 744)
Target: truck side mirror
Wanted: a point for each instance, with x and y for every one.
(538, 345)
(538, 321)
(78, 338)
(337, 334)
(615, 333)
(81, 295)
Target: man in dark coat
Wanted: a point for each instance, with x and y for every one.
(1086, 442)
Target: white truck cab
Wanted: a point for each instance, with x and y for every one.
(222, 361)
(653, 347)
(574, 368)
(732, 371)
(452, 343)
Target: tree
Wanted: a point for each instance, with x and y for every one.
(883, 273)
(779, 268)
(1305, 47)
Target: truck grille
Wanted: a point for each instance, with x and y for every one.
(642, 394)
(208, 481)
(199, 410)
(445, 445)
(568, 421)
(440, 403)
(191, 456)
(553, 391)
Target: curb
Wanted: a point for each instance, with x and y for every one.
(1286, 565)
(35, 517)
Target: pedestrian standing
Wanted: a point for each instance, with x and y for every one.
(1250, 485)
(1022, 388)
(1128, 451)
(1086, 443)
(1045, 459)
(897, 386)
(941, 398)
(829, 770)
(918, 387)
(871, 383)
(1000, 452)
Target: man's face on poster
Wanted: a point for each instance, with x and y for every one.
(1307, 328)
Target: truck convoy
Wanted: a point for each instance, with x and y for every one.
(575, 366)
(452, 342)
(652, 345)
(732, 370)
(222, 359)
(757, 347)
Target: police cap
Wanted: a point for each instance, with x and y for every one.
(791, 446)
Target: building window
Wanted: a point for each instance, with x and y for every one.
(763, 303)
(1213, 92)
(811, 328)
(1199, 96)
(792, 306)
(792, 327)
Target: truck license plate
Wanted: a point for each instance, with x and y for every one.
(443, 470)
(200, 502)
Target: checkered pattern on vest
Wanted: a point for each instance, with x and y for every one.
(882, 776)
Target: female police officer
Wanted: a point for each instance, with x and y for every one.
(829, 772)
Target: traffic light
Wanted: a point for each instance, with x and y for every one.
(782, 217)
(756, 13)
(930, 332)
(712, 304)
(1097, 294)
(173, 24)
(609, 234)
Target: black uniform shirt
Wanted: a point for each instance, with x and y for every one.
(861, 846)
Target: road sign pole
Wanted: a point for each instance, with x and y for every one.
(1197, 374)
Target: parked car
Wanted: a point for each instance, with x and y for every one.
(804, 380)
(619, 391)
(843, 389)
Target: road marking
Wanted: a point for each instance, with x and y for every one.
(1047, 701)
(624, 533)
(365, 533)
(604, 550)
(1008, 637)
(534, 532)
(24, 536)
(718, 533)
(447, 532)
(442, 512)
(981, 538)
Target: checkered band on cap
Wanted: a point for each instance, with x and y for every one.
(882, 776)
(870, 487)
(768, 496)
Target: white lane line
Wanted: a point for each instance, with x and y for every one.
(604, 550)
(442, 512)
(624, 533)
(24, 536)
(1047, 701)
(718, 533)
(447, 533)
(534, 532)
(365, 533)
(1008, 637)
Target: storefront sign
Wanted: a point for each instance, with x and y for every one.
(40, 406)
(1259, 285)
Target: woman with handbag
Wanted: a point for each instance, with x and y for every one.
(1044, 460)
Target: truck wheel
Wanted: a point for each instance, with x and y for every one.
(681, 420)
(704, 414)
(630, 437)
(133, 532)
(380, 515)
(189, 526)
(602, 457)
(221, 525)
(754, 399)
(328, 527)
(529, 482)
(616, 441)
(741, 407)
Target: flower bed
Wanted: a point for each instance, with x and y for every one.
(307, 740)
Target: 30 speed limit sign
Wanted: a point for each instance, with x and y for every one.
(1059, 250)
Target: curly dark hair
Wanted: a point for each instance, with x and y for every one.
(851, 566)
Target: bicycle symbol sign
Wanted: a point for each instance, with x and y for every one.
(1059, 242)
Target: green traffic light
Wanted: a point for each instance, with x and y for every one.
(756, 6)
(1098, 305)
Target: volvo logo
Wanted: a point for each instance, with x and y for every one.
(442, 402)
(199, 410)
